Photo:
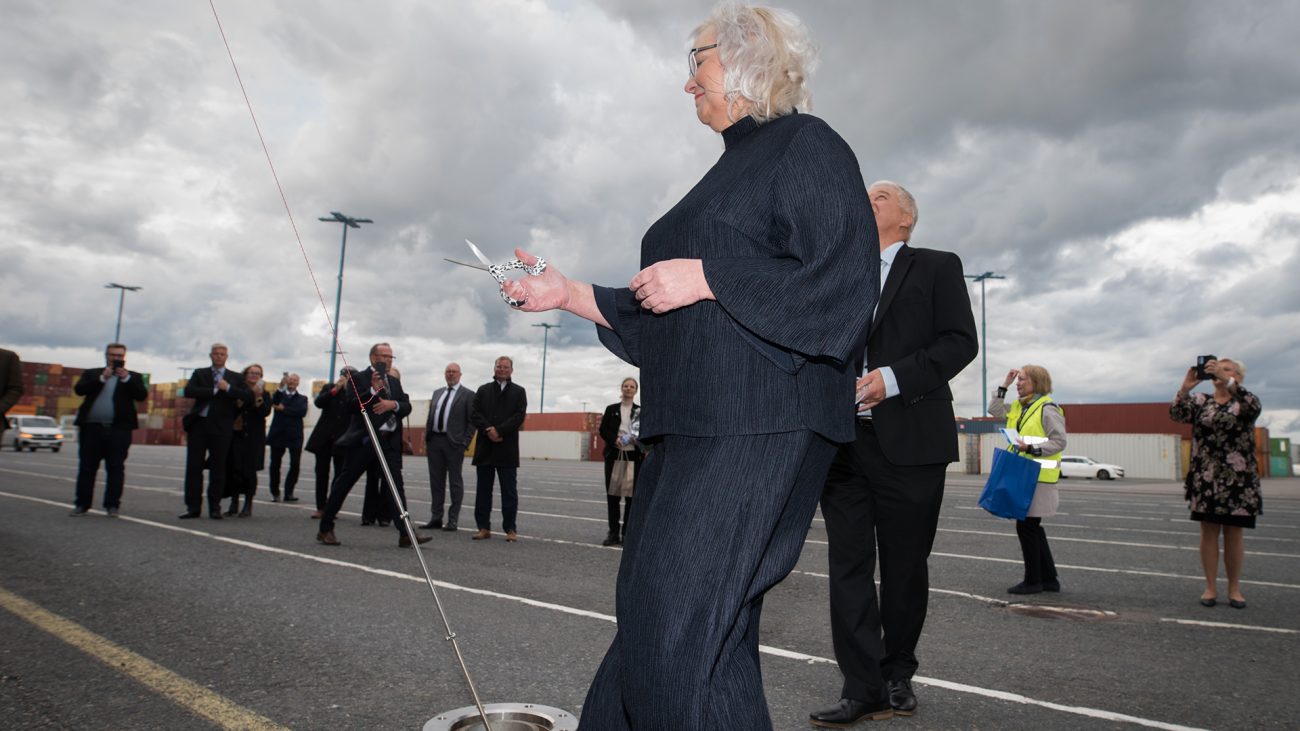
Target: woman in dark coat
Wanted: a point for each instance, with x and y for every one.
(753, 296)
(1222, 486)
(248, 447)
(620, 427)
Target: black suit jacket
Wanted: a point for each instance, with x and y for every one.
(356, 433)
(503, 409)
(460, 427)
(286, 426)
(333, 420)
(609, 424)
(124, 397)
(11, 383)
(221, 404)
(925, 330)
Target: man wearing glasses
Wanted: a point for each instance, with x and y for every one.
(375, 394)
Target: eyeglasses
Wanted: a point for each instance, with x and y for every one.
(692, 62)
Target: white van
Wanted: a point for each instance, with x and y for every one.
(34, 432)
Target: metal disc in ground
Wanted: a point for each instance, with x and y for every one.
(505, 717)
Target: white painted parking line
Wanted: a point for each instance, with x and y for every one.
(575, 611)
(1229, 625)
(1121, 529)
(1128, 544)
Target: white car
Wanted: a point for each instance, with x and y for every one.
(34, 432)
(1086, 467)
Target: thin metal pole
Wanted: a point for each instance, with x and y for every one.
(405, 517)
(984, 336)
(545, 339)
(338, 303)
(984, 349)
(546, 336)
(121, 300)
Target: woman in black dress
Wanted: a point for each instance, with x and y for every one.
(1222, 484)
(620, 427)
(248, 446)
(754, 292)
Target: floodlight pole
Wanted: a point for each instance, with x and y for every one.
(545, 338)
(121, 300)
(984, 337)
(348, 222)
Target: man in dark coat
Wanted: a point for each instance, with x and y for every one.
(104, 422)
(385, 405)
(285, 434)
(885, 488)
(330, 425)
(11, 384)
(210, 428)
(498, 415)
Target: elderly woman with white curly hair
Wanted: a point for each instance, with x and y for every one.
(754, 292)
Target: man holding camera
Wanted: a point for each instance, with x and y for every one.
(376, 395)
(104, 422)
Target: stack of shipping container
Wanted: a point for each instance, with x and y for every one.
(47, 390)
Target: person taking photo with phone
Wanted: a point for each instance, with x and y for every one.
(1222, 485)
(104, 422)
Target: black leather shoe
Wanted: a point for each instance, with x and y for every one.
(1023, 588)
(290, 499)
(901, 697)
(1052, 585)
(275, 498)
(431, 525)
(611, 539)
(214, 514)
(847, 712)
(191, 514)
(450, 527)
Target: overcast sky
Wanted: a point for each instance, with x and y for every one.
(1131, 168)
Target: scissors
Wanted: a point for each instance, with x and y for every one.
(498, 271)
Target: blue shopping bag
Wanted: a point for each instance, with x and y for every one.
(1011, 484)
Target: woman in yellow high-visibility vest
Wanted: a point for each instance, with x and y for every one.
(1035, 414)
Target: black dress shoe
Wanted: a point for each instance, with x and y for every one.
(290, 499)
(847, 712)
(214, 514)
(1024, 588)
(901, 697)
(367, 522)
(275, 498)
(1237, 604)
(431, 525)
(191, 514)
(1052, 585)
(611, 539)
(384, 523)
(450, 527)
(1209, 602)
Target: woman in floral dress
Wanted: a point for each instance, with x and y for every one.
(1222, 484)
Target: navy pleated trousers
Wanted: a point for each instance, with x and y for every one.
(719, 521)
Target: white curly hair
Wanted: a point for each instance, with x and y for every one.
(767, 56)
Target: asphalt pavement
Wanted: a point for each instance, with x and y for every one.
(145, 621)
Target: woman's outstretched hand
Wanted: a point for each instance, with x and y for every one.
(547, 291)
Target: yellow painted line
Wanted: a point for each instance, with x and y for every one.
(185, 693)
